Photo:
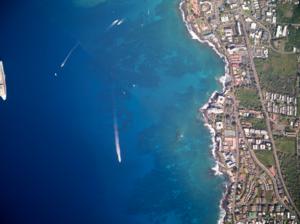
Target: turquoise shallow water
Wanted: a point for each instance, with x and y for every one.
(63, 168)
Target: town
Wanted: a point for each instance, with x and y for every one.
(255, 120)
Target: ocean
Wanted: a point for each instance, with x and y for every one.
(58, 161)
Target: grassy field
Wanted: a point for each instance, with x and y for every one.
(278, 72)
(248, 98)
(288, 13)
(286, 145)
(290, 166)
(256, 123)
(265, 157)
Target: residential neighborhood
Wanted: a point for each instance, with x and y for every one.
(255, 118)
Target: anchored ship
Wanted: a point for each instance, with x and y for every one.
(2, 82)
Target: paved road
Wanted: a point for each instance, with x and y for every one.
(253, 156)
(237, 131)
(266, 115)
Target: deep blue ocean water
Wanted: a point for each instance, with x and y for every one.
(58, 161)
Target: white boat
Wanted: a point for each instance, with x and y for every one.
(2, 82)
(114, 22)
(120, 22)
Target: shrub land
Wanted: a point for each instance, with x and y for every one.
(288, 13)
(248, 98)
(265, 157)
(278, 73)
(290, 166)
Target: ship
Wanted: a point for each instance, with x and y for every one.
(2, 82)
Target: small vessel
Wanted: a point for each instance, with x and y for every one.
(2, 82)
(114, 22)
(120, 22)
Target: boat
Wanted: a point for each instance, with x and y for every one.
(2, 82)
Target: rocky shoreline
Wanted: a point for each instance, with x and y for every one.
(219, 168)
(244, 116)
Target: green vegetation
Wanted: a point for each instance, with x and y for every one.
(286, 145)
(284, 119)
(265, 157)
(278, 73)
(248, 98)
(252, 215)
(219, 117)
(288, 13)
(290, 169)
(293, 39)
(257, 123)
(290, 165)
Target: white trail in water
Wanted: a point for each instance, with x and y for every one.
(69, 54)
(117, 141)
(112, 24)
(120, 22)
(116, 22)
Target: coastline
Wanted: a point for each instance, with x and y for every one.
(216, 168)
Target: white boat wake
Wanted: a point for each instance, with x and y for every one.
(69, 54)
(120, 22)
(117, 141)
(113, 24)
(116, 22)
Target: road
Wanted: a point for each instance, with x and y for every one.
(237, 131)
(253, 156)
(266, 115)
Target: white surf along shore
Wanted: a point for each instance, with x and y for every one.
(222, 80)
